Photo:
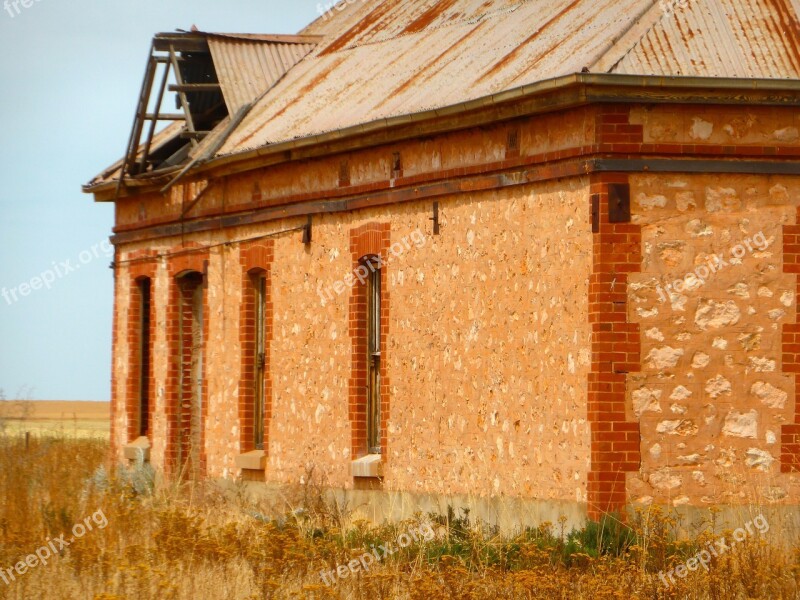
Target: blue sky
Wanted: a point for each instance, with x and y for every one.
(70, 74)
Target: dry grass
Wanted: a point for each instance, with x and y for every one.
(182, 542)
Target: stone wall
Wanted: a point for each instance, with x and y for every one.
(712, 398)
(488, 348)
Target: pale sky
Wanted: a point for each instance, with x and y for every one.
(70, 74)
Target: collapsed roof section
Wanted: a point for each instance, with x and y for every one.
(215, 79)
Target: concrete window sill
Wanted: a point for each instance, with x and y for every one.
(252, 461)
(138, 450)
(367, 466)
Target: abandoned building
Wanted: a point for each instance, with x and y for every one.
(536, 253)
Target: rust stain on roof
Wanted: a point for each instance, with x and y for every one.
(429, 16)
(790, 28)
(429, 68)
(373, 17)
(721, 38)
(516, 52)
(494, 45)
(380, 59)
(317, 80)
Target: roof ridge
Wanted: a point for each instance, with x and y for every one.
(639, 28)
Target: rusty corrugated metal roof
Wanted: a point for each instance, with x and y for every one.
(399, 57)
(381, 59)
(721, 38)
(247, 68)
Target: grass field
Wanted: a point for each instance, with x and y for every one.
(128, 539)
(56, 418)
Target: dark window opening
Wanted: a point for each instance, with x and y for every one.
(259, 356)
(373, 356)
(145, 302)
(191, 350)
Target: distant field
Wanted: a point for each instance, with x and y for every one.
(49, 418)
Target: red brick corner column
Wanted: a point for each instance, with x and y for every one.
(616, 351)
(368, 239)
(790, 434)
(190, 257)
(255, 257)
(142, 265)
(115, 340)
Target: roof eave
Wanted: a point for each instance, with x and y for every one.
(596, 87)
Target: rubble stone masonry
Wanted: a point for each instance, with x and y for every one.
(527, 355)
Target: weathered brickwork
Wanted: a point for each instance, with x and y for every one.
(187, 335)
(370, 239)
(720, 130)
(256, 260)
(790, 432)
(525, 355)
(142, 268)
(548, 138)
(615, 354)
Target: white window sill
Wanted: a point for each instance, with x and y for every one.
(138, 450)
(252, 461)
(370, 465)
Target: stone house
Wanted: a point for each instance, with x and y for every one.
(524, 253)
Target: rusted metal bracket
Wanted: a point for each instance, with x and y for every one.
(397, 166)
(435, 218)
(619, 203)
(595, 213)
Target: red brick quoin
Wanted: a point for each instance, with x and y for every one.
(256, 258)
(368, 239)
(790, 434)
(616, 351)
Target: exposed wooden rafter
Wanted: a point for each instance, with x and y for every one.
(166, 57)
